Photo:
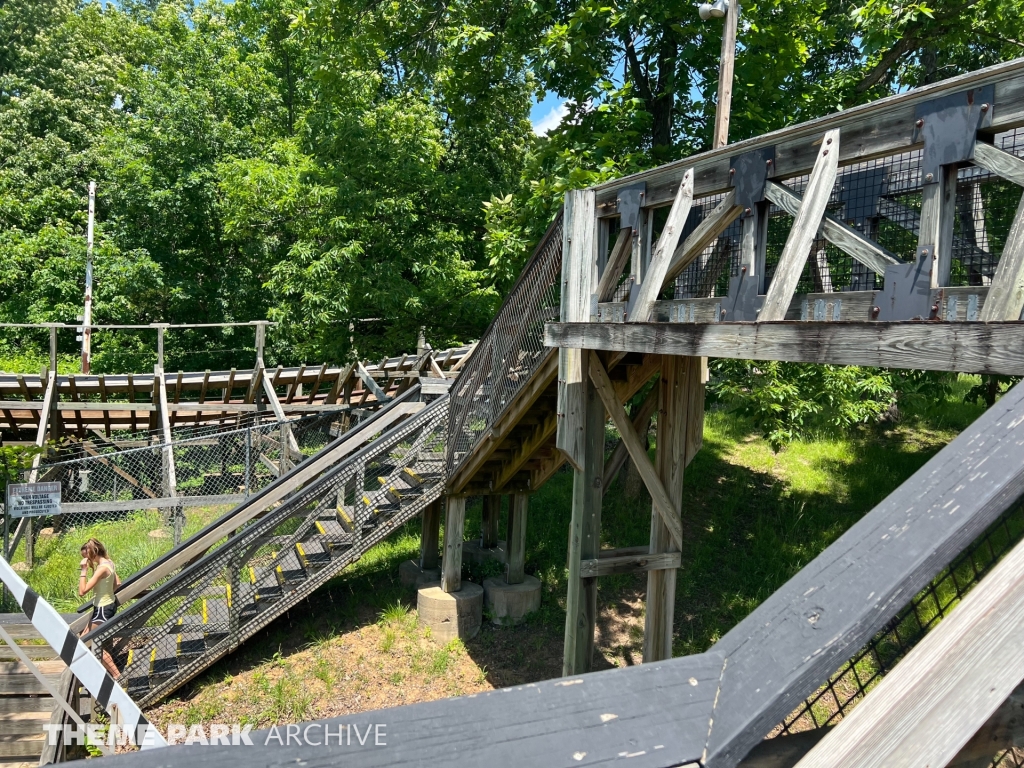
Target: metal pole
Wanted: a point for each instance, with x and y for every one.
(248, 459)
(160, 347)
(53, 348)
(87, 314)
(725, 76)
(261, 339)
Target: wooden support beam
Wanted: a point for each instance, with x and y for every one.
(963, 347)
(935, 234)
(925, 710)
(662, 501)
(170, 474)
(1004, 164)
(286, 433)
(805, 227)
(430, 536)
(579, 264)
(842, 235)
(491, 515)
(316, 384)
(661, 260)
(370, 384)
(454, 530)
(584, 534)
(615, 561)
(681, 407)
(1005, 299)
(617, 259)
(641, 423)
(706, 232)
(515, 539)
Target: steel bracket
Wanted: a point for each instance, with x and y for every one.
(949, 126)
(907, 292)
(743, 302)
(748, 173)
(629, 200)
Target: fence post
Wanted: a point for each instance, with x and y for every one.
(248, 460)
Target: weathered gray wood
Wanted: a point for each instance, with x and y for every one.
(800, 635)
(609, 564)
(710, 227)
(579, 263)
(430, 536)
(167, 452)
(1000, 162)
(925, 710)
(1005, 300)
(679, 385)
(519, 504)
(658, 714)
(370, 383)
(616, 263)
(963, 347)
(661, 259)
(454, 527)
(584, 537)
(805, 227)
(842, 235)
(938, 211)
(641, 423)
(660, 497)
(880, 128)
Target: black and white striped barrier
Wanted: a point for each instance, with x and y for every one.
(86, 667)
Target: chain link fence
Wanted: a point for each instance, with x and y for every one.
(127, 496)
(277, 561)
(510, 351)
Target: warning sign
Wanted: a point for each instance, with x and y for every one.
(33, 499)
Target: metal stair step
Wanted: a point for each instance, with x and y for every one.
(288, 568)
(312, 554)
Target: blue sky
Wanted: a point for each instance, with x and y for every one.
(546, 114)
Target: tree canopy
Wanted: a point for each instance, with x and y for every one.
(361, 170)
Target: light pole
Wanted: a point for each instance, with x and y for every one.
(730, 10)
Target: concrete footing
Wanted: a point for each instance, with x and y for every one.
(472, 552)
(510, 603)
(451, 614)
(414, 577)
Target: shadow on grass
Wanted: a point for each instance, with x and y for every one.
(752, 519)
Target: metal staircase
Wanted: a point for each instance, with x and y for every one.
(276, 561)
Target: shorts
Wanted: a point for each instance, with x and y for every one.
(103, 613)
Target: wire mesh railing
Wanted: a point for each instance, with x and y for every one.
(852, 681)
(510, 351)
(881, 199)
(273, 563)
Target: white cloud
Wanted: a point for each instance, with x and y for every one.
(551, 119)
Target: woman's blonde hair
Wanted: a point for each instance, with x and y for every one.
(94, 549)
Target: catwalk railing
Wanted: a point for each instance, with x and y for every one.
(510, 351)
(272, 564)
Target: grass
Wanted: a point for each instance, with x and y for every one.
(127, 539)
(752, 519)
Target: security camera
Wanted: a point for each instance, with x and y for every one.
(713, 10)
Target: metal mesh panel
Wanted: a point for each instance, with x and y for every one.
(848, 686)
(277, 561)
(709, 273)
(509, 352)
(882, 200)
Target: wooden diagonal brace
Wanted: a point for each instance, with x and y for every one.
(805, 227)
(616, 262)
(713, 225)
(842, 235)
(641, 421)
(1005, 300)
(659, 495)
(654, 280)
(370, 384)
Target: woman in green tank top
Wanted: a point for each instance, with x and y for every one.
(102, 584)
